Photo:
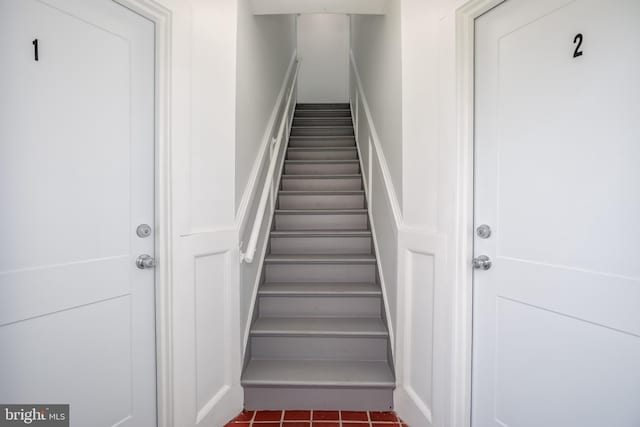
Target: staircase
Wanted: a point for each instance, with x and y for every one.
(319, 338)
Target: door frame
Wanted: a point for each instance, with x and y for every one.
(462, 350)
(163, 179)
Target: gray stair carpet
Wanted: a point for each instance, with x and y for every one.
(319, 338)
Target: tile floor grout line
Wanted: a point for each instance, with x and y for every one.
(340, 421)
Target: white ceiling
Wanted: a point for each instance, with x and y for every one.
(278, 7)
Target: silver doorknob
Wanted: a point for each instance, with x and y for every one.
(145, 261)
(483, 231)
(482, 262)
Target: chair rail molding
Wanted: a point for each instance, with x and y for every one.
(375, 139)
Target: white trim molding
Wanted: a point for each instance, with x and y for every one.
(393, 198)
(463, 238)
(373, 149)
(422, 265)
(162, 19)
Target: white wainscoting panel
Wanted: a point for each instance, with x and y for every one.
(210, 324)
(421, 370)
(207, 337)
(419, 288)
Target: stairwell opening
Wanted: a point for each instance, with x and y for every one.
(319, 337)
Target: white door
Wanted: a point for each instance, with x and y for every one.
(557, 175)
(77, 319)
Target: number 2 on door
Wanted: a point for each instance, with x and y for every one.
(577, 40)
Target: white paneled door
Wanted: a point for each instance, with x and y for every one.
(77, 320)
(557, 182)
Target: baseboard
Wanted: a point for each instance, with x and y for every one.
(413, 412)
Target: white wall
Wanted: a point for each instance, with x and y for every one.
(265, 48)
(266, 61)
(323, 45)
(208, 171)
(431, 209)
(407, 77)
(204, 359)
(377, 99)
(384, 210)
(407, 67)
(376, 48)
(419, 101)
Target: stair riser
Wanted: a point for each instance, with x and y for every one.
(322, 201)
(319, 306)
(296, 272)
(322, 121)
(319, 106)
(319, 142)
(321, 222)
(322, 113)
(322, 168)
(319, 348)
(328, 290)
(293, 360)
(322, 155)
(322, 131)
(346, 399)
(321, 245)
(326, 184)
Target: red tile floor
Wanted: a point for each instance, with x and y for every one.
(316, 419)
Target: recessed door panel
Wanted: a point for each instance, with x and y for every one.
(556, 325)
(76, 179)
